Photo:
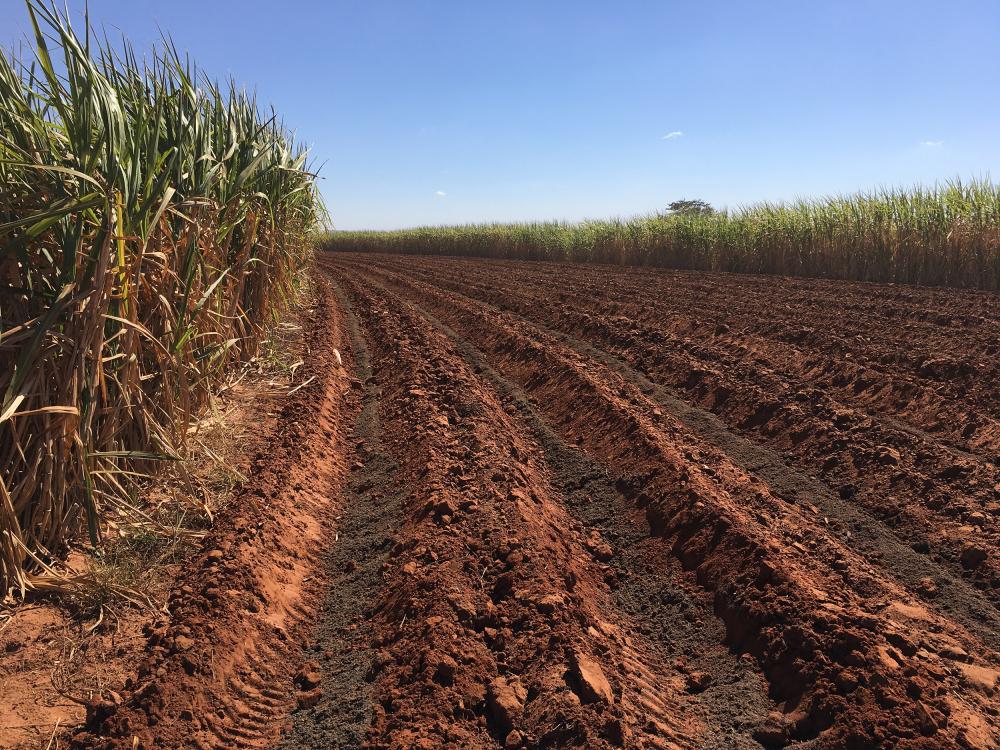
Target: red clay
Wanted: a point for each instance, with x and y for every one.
(602, 507)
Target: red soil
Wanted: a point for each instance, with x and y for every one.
(215, 673)
(603, 507)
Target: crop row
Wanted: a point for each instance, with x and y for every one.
(152, 223)
(944, 235)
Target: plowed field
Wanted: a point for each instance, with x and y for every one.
(588, 507)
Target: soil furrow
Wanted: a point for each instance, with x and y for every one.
(725, 524)
(522, 646)
(844, 363)
(859, 367)
(339, 713)
(536, 505)
(231, 641)
(662, 600)
(864, 533)
(807, 427)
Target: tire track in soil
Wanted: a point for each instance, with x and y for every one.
(218, 672)
(840, 613)
(861, 530)
(670, 611)
(342, 708)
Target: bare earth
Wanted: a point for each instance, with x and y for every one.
(550, 506)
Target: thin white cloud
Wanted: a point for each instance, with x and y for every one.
(440, 193)
(931, 144)
(673, 134)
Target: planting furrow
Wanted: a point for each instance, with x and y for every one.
(494, 625)
(919, 373)
(880, 543)
(871, 459)
(339, 698)
(663, 601)
(919, 370)
(854, 660)
(921, 362)
(953, 595)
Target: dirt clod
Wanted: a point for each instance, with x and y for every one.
(309, 676)
(698, 681)
(505, 700)
(973, 555)
(513, 740)
(309, 698)
(183, 643)
(590, 681)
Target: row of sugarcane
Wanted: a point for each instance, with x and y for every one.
(153, 223)
(948, 234)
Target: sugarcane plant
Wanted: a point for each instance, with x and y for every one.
(948, 234)
(152, 225)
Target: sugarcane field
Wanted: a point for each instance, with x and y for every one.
(331, 418)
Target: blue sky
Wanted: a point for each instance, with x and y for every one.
(447, 111)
